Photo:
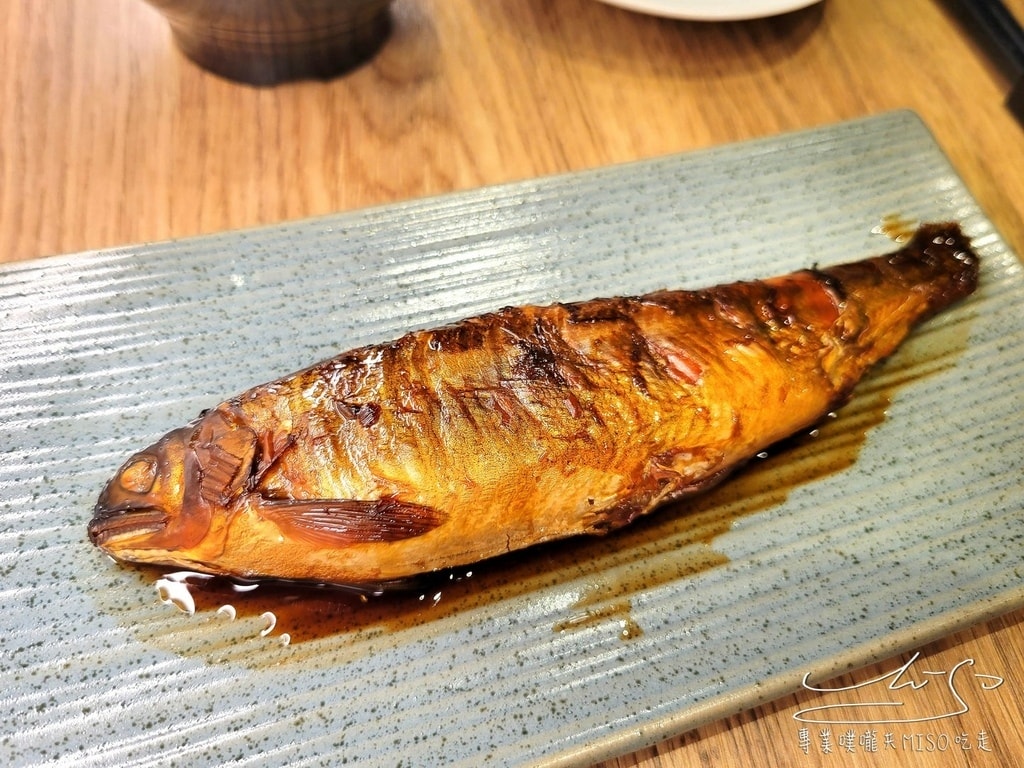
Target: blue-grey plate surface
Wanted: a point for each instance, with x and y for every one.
(902, 520)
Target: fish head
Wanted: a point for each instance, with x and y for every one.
(170, 503)
(141, 507)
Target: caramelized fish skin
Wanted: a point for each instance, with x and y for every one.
(457, 444)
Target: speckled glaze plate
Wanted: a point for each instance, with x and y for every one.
(901, 520)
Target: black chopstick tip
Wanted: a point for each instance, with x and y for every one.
(1015, 101)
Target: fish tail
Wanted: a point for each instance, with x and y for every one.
(884, 297)
(937, 268)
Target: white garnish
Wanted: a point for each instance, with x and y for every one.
(271, 620)
(173, 592)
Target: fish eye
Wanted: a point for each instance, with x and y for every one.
(138, 475)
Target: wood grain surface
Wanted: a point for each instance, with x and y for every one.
(110, 136)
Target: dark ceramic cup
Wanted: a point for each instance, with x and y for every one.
(263, 42)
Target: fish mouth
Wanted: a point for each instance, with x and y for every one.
(110, 524)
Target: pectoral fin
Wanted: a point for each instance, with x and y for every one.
(344, 522)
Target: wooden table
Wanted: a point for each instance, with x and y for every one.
(110, 136)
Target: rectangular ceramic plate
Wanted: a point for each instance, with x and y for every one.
(900, 521)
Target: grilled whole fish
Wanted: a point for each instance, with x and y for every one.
(452, 445)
